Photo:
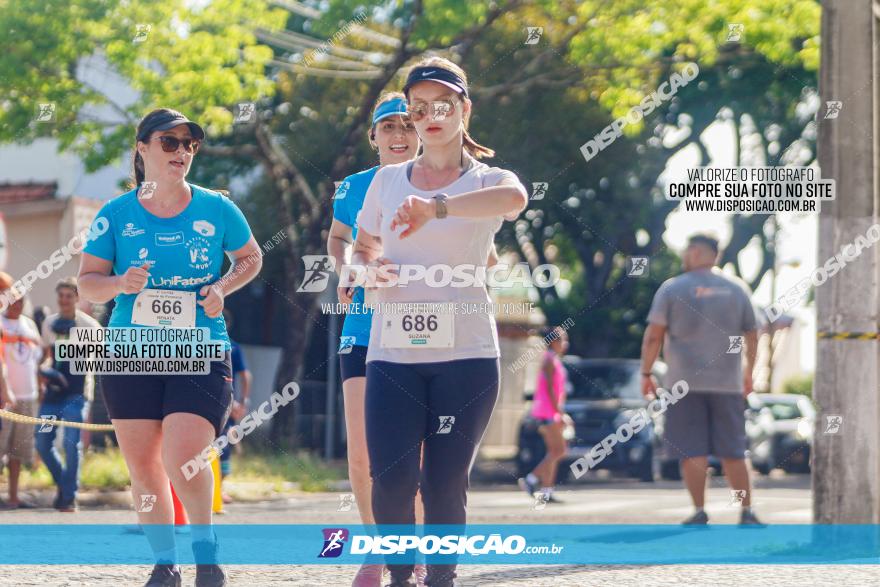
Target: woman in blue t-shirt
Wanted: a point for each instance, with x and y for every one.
(165, 240)
(393, 137)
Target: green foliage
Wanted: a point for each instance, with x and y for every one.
(633, 42)
(197, 60)
(535, 105)
(800, 385)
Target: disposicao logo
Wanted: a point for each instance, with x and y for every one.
(334, 539)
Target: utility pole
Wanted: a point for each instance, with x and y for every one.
(846, 463)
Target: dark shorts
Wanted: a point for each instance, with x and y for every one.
(706, 423)
(353, 363)
(152, 397)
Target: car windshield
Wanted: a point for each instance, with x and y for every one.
(784, 410)
(603, 381)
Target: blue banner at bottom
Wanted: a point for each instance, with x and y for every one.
(519, 544)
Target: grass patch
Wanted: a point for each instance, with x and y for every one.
(310, 472)
(106, 471)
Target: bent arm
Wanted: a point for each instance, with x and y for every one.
(367, 248)
(505, 199)
(339, 243)
(95, 282)
(246, 264)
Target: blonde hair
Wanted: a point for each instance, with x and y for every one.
(474, 149)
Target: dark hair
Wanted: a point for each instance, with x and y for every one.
(551, 333)
(474, 149)
(705, 240)
(68, 282)
(384, 97)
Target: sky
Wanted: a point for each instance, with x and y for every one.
(797, 244)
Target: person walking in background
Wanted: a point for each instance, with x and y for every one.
(548, 409)
(241, 387)
(706, 323)
(68, 401)
(21, 353)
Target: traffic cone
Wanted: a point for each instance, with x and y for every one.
(217, 505)
(180, 518)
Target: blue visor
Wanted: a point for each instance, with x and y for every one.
(393, 107)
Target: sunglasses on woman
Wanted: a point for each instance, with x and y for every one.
(438, 109)
(170, 144)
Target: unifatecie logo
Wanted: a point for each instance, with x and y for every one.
(334, 539)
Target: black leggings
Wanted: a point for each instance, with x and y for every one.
(411, 404)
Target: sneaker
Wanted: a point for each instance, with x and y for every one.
(164, 576)
(69, 506)
(553, 499)
(208, 572)
(368, 576)
(210, 576)
(527, 485)
(420, 573)
(700, 518)
(748, 518)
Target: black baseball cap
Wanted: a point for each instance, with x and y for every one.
(435, 74)
(168, 119)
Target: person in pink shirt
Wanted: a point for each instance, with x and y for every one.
(548, 408)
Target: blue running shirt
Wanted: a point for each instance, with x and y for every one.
(347, 203)
(185, 252)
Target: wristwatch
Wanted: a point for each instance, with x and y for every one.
(441, 204)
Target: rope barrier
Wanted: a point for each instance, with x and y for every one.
(13, 417)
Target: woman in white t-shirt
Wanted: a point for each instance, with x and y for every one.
(432, 363)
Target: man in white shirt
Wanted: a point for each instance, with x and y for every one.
(22, 351)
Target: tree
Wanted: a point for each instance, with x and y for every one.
(594, 58)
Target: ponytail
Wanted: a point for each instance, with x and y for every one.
(137, 170)
(473, 148)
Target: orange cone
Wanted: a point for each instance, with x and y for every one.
(180, 518)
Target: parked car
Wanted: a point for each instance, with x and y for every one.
(602, 394)
(780, 430)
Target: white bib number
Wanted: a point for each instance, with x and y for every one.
(421, 326)
(165, 308)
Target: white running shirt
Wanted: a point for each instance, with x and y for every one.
(449, 241)
(22, 351)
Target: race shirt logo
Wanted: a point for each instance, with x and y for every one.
(142, 257)
(204, 228)
(177, 281)
(131, 230)
(168, 239)
(198, 250)
(334, 539)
